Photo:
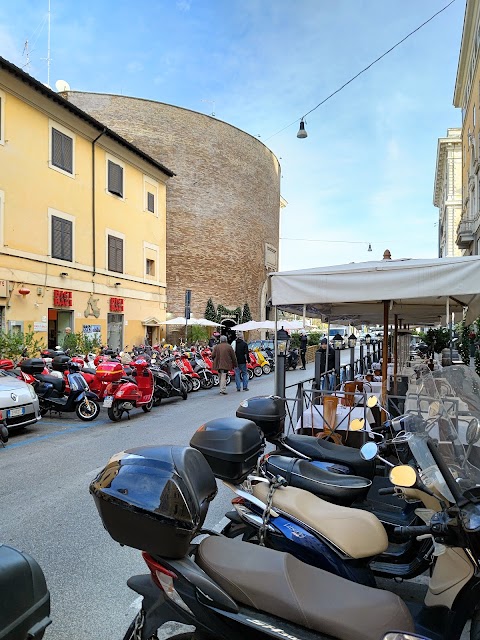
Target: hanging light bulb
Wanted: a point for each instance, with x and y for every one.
(369, 247)
(301, 132)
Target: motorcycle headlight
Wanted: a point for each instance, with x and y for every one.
(32, 392)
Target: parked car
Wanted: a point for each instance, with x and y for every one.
(18, 402)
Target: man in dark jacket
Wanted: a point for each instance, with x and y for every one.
(224, 359)
(327, 356)
(303, 348)
(242, 355)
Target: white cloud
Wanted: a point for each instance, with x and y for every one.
(134, 67)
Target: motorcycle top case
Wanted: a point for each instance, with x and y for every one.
(155, 498)
(231, 447)
(7, 364)
(268, 413)
(25, 608)
(60, 363)
(32, 365)
(109, 371)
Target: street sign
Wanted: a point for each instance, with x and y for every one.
(188, 298)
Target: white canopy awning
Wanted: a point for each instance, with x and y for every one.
(355, 293)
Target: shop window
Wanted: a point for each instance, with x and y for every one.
(115, 254)
(150, 267)
(115, 178)
(62, 239)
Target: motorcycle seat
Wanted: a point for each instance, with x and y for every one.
(324, 451)
(357, 533)
(302, 594)
(128, 379)
(335, 487)
(57, 383)
(88, 370)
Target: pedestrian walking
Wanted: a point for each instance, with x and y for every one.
(224, 359)
(303, 349)
(243, 356)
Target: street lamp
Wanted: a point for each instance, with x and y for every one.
(352, 343)
(337, 341)
(337, 345)
(283, 343)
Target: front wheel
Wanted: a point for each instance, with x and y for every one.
(266, 369)
(216, 379)
(250, 374)
(195, 384)
(184, 392)
(114, 412)
(207, 382)
(257, 371)
(148, 407)
(87, 410)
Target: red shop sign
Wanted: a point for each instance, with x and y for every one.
(116, 305)
(62, 298)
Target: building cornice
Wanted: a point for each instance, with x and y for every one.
(468, 34)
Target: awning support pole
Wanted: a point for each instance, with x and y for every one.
(386, 308)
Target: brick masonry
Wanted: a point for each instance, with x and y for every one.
(222, 205)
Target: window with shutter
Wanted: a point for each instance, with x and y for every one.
(62, 239)
(151, 202)
(115, 254)
(115, 178)
(62, 151)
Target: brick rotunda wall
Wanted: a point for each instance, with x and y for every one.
(222, 205)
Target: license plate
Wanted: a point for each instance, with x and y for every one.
(108, 401)
(12, 413)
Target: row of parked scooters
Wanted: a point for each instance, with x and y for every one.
(121, 381)
(314, 523)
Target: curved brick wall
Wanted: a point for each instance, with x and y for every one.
(222, 206)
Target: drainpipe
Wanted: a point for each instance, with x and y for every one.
(94, 250)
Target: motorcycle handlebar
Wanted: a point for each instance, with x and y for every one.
(413, 531)
(386, 491)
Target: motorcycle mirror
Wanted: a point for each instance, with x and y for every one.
(372, 401)
(403, 475)
(473, 431)
(369, 451)
(356, 425)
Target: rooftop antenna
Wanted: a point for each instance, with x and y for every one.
(26, 53)
(211, 102)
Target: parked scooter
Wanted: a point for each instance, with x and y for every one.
(25, 610)
(51, 391)
(156, 499)
(292, 359)
(199, 366)
(125, 392)
(187, 370)
(168, 380)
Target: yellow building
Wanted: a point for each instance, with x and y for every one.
(82, 221)
(467, 98)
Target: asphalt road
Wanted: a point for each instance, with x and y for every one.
(47, 511)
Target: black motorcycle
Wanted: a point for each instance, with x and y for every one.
(292, 359)
(168, 380)
(51, 389)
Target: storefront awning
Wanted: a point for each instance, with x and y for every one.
(152, 322)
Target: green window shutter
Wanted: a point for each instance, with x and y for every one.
(115, 254)
(62, 151)
(150, 202)
(115, 178)
(62, 239)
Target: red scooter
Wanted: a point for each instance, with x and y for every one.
(187, 370)
(123, 392)
(206, 355)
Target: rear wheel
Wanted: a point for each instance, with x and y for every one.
(87, 410)
(250, 374)
(257, 371)
(216, 379)
(148, 407)
(207, 382)
(184, 392)
(266, 369)
(188, 383)
(114, 412)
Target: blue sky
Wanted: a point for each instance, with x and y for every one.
(365, 173)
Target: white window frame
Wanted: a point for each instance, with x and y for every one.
(55, 125)
(117, 234)
(3, 100)
(115, 160)
(156, 249)
(64, 216)
(149, 182)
